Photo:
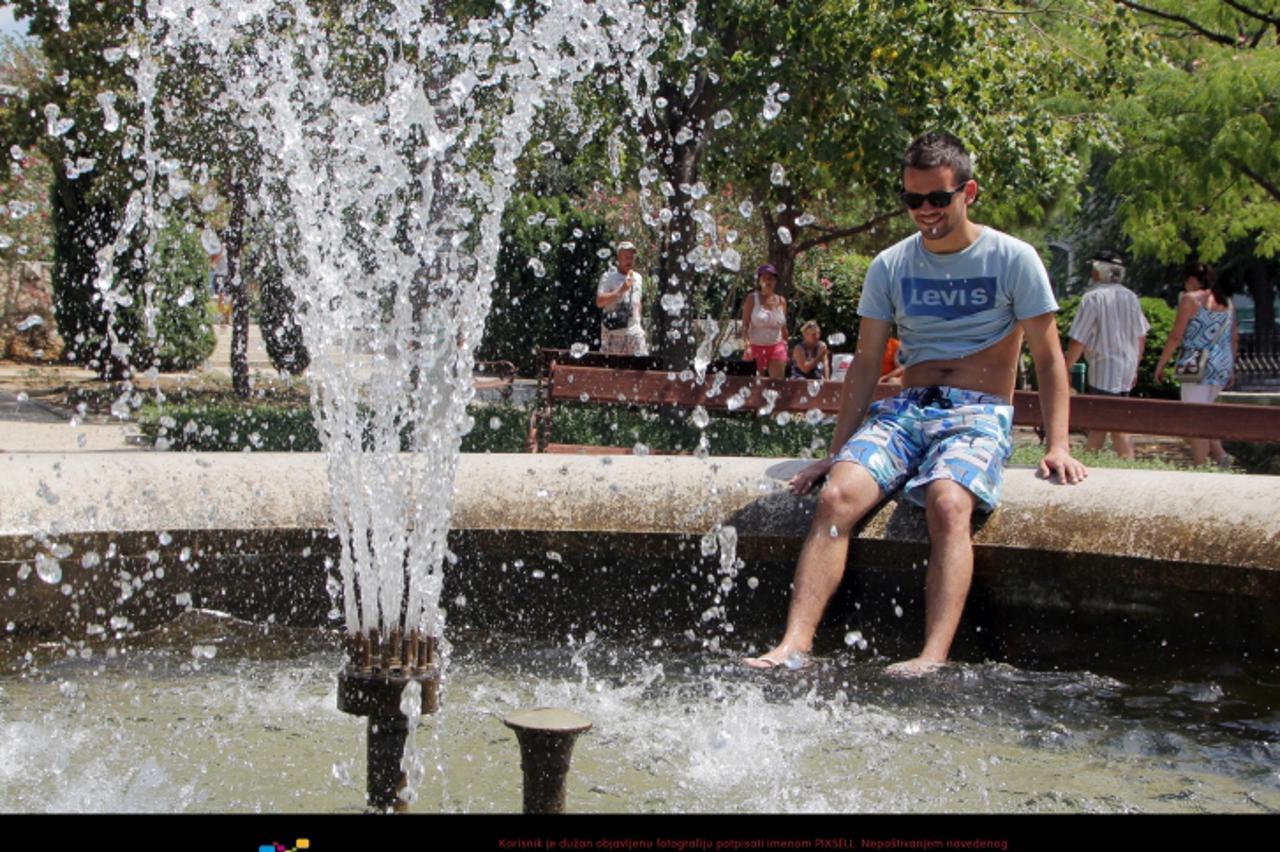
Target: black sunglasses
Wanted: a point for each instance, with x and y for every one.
(940, 198)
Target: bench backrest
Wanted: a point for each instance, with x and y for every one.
(571, 383)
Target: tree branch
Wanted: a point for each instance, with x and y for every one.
(1271, 188)
(1181, 19)
(1253, 13)
(831, 235)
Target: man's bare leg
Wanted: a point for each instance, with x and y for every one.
(948, 511)
(1122, 443)
(1199, 451)
(1095, 440)
(849, 494)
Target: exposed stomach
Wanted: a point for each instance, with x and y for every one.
(992, 370)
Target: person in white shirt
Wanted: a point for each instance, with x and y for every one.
(1110, 331)
(619, 296)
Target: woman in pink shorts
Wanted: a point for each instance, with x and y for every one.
(764, 324)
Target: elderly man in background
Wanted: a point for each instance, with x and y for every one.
(1111, 333)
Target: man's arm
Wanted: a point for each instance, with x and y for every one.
(612, 297)
(1137, 368)
(1074, 350)
(855, 398)
(1042, 338)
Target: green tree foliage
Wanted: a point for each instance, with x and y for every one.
(549, 266)
(1199, 172)
(1202, 163)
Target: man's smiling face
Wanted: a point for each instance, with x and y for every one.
(936, 223)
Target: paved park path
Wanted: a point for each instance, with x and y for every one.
(28, 424)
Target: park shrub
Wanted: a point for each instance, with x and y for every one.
(826, 288)
(176, 273)
(499, 427)
(178, 277)
(544, 294)
(277, 318)
(1255, 458)
(1160, 316)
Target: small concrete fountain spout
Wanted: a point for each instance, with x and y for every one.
(546, 737)
(372, 685)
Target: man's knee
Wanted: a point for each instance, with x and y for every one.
(844, 499)
(948, 505)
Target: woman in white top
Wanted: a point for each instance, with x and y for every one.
(764, 324)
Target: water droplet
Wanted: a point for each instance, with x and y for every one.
(577, 350)
(777, 175)
(897, 610)
(731, 260)
(853, 637)
(782, 418)
(640, 449)
(746, 208)
(813, 416)
(182, 599)
(210, 242)
(771, 109)
(700, 417)
(48, 569)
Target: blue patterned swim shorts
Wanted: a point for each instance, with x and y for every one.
(929, 433)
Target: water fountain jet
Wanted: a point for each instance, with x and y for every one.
(373, 684)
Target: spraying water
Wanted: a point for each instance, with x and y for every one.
(380, 141)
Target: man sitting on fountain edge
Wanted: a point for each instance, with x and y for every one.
(963, 296)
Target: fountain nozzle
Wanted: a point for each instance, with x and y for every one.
(372, 685)
(546, 737)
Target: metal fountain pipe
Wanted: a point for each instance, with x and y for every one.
(371, 685)
(546, 737)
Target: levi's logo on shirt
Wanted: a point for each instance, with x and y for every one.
(948, 298)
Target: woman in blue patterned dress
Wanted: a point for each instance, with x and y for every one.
(1206, 321)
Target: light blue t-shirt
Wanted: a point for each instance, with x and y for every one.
(952, 305)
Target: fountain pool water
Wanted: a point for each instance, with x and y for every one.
(249, 724)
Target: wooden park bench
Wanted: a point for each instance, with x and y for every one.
(572, 383)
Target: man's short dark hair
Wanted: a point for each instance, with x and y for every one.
(940, 150)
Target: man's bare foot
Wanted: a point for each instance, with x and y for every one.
(916, 667)
(780, 657)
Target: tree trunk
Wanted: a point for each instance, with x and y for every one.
(673, 337)
(1262, 288)
(233, 243)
